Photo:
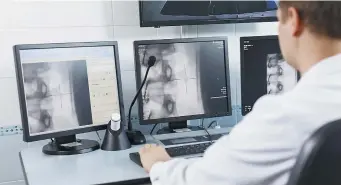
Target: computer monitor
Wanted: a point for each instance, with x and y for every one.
(190, 80)
(263, 70)
(67, 89)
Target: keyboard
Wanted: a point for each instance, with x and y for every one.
(177, 151)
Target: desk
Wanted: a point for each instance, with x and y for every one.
(98, 167)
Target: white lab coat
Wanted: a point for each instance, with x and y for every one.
(262, 148)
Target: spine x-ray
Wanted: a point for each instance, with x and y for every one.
(172, 87)
(57, 95)
(280, 77)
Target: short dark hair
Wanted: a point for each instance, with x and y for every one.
(321, 17)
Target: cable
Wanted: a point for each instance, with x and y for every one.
(98, 136)
(151, 132)
(209, 126)
(207, 133)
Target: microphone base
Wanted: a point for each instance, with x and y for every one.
(136, 137)
(115, 140)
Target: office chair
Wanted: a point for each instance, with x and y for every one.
(319, 161)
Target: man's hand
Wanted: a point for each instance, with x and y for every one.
(151, 154)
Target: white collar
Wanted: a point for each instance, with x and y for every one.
(327, 65)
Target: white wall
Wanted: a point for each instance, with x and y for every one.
(42, 22)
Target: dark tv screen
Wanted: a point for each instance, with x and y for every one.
(175, 13)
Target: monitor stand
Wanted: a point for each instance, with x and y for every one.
(177, 127)
(69, 145)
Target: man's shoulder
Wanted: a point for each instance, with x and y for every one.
(273, 102)
(285, 109)
(295, 110)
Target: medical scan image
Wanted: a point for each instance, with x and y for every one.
(280, 77)
(175, 83)
(52, 91)
(171, 89)
(264, 71)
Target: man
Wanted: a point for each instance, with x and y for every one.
(263, 147)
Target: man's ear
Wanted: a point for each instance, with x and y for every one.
(295, 21)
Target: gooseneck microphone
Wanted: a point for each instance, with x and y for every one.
(136, 137)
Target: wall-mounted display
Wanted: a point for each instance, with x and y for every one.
(174, 13)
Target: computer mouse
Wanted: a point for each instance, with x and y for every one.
(135, 157)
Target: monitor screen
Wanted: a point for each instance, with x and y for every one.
(68, 88)
(189, 80)
(263, 70)
(174, 13)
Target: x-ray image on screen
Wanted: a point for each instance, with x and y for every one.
(57, 95)
(178, 84)
(280, 77)
(172, 88)
(263, 70)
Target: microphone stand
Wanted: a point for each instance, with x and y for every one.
(135, 136)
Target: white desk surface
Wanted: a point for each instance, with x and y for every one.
(98, 167)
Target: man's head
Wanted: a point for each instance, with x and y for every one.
(304, 23)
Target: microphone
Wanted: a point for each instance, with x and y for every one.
(135, 136)
(151, 61)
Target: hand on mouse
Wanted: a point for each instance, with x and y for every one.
(151, 154)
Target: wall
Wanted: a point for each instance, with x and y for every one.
(42, 22)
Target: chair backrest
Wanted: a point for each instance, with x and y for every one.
(319, 161)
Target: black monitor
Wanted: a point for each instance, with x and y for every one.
(190, 80)
(67, 89)
(175, 13)
(263, 70)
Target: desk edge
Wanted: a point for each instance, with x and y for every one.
(23, 168)
(130, 182)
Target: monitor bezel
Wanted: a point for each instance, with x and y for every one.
(195, 22)
(242, 62)
(21, 92)
(189, 117)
